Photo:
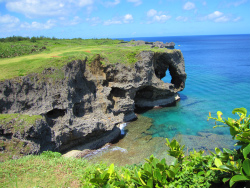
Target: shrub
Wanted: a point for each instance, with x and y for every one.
(33, 39)
(50, 154)
(235, 165)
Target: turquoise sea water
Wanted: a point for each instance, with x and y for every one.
(218, 79)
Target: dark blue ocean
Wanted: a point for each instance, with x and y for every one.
(218, 79)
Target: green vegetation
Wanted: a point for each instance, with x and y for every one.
(235, 165)
(16, 124)
(228, 167)
(20, 56)
(46, 170)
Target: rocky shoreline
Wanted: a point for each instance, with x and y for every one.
(86, 103)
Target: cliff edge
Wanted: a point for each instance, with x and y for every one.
(83, 103)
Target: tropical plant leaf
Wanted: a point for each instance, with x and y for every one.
(147, 168)
(242, 110)
(157, 175)
(139, 175)
(217, 162)
(246, 167)
(111, 169)
(229, 122)
(219, 114)
(150, 183)
(218, 151)
(233, 132)
(237, 178)
(225, 180)
(168, 143)
(97, 181)
(227, 168)
(170, 174)
(228, 151)
(246, 151)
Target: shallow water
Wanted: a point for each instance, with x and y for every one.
(218, 79)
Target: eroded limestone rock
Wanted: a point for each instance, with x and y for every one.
(83, 104)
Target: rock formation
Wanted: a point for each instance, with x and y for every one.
(158, 44)
(83, 103)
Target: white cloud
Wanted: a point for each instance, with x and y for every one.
(161, 18)
(188, 6)
(38, 26)
(34, 8)
(111, 3)
(204, 3)
(237, 19)
(218, 16)
(128, 18)
(8, 23)
(236, 3)
(94, 21)
(83, 3)
(155, 16)
(76, 20)
(112, 22)
(136, 2)
(214, 15)
(222, 19)
(6, 19)
(151, 13)
(182, 18)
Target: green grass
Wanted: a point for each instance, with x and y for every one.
(59, 52)
(46, 170)
(50, 169)
(40, 171)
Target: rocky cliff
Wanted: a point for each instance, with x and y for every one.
(83, 103)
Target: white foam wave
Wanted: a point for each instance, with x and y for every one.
(122, 126)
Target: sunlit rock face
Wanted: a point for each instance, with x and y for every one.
(86, 102)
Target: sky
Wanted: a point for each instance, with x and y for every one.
(123, 18)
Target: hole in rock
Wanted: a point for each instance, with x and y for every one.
(55, 113)
(82, 108)
(144, 93)
(78, 109)
(177, 80)
(117, 92)
(167, 78)
(105, 83)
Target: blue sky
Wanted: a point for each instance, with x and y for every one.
(123, 18)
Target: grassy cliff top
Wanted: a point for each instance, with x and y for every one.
(19, 58)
